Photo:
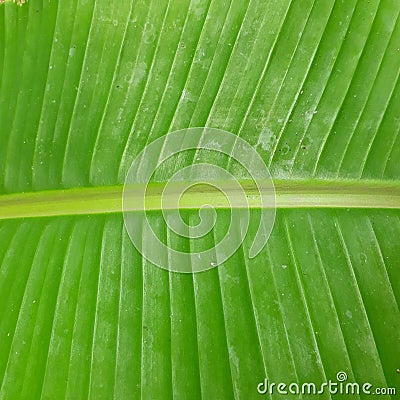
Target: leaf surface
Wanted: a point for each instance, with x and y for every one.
(86, 85)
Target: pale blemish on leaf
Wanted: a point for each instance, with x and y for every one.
(18, 2)
(266, 139)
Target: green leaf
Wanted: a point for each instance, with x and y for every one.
(313, 85)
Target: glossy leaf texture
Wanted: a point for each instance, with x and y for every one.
(313, 85)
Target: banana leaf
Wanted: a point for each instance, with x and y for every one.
(313, 86)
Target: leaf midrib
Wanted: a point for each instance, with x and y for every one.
(289, 194)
